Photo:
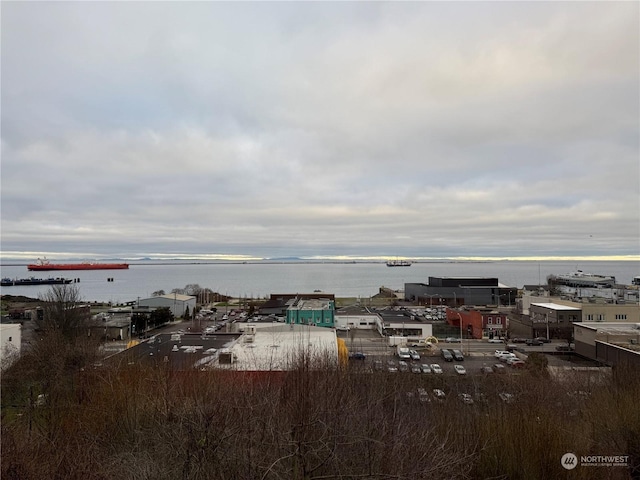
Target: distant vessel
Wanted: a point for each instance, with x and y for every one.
(398, 263)
(8, 282)
(583, 280)
(45, 264)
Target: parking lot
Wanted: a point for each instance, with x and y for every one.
(477, 353)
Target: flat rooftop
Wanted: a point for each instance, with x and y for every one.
(554, 306)
(311, 304)
(279, 347)
(617, 328)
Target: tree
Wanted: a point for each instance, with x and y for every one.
(537, 364)
(160, 316)
(63, 312)
(158, 293)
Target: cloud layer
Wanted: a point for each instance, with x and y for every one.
(364, 129)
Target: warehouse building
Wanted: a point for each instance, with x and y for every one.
(178, 304)
(456, 291)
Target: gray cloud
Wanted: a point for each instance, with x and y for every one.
(422, 129)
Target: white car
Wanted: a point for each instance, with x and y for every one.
(499, 353)
(510, 360)
(439, 394)
(460, 370)
(506, 397)
(426, 368)
(495, 340)
(435, 368)
(506, 356)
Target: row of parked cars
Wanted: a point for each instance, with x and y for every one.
(402, 366)
(509, 358)
(451, 355)
(439, 395)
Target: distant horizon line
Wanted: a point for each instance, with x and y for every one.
(32, 257)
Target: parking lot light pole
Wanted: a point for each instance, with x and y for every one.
(460, 321)
(431, 298)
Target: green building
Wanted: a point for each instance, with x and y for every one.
(312, 311)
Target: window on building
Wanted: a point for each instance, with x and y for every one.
(490, 320)
(619, 316)
(590, 317)
(9, 338)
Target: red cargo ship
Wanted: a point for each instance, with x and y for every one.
(46, 265)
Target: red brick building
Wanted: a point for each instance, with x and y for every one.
(478, 322)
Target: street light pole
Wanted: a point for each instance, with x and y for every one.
(460, 322)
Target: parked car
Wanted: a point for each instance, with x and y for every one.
(377, 365)
(435, 368)
(457, 355)
(446, 355)
(495, 340)
(439, 395)
(499, 368)
(486, 370)
(357, 355)
(506, 397)
(460, 370)
(452, 340)
(426, 368)
(423, 395)
(543, 339)
(499, 353)
(414, 355)
(466, 398)
(392, 366)
(507, 356)
(517, 364)
(403, 366)
(564, 348)
(416, 369)
(517, 340)
(511, 360)
(532, 342)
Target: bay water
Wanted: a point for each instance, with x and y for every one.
(260, 279)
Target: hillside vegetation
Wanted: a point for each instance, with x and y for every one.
(63, 418)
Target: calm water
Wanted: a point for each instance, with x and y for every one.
(262, 279)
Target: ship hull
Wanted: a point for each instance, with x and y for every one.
(78, 266)
(7, 282)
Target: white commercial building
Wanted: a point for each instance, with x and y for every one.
(177, 303)
(281, 347)
(366, 321)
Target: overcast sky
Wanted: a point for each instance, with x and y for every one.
(436, 129)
